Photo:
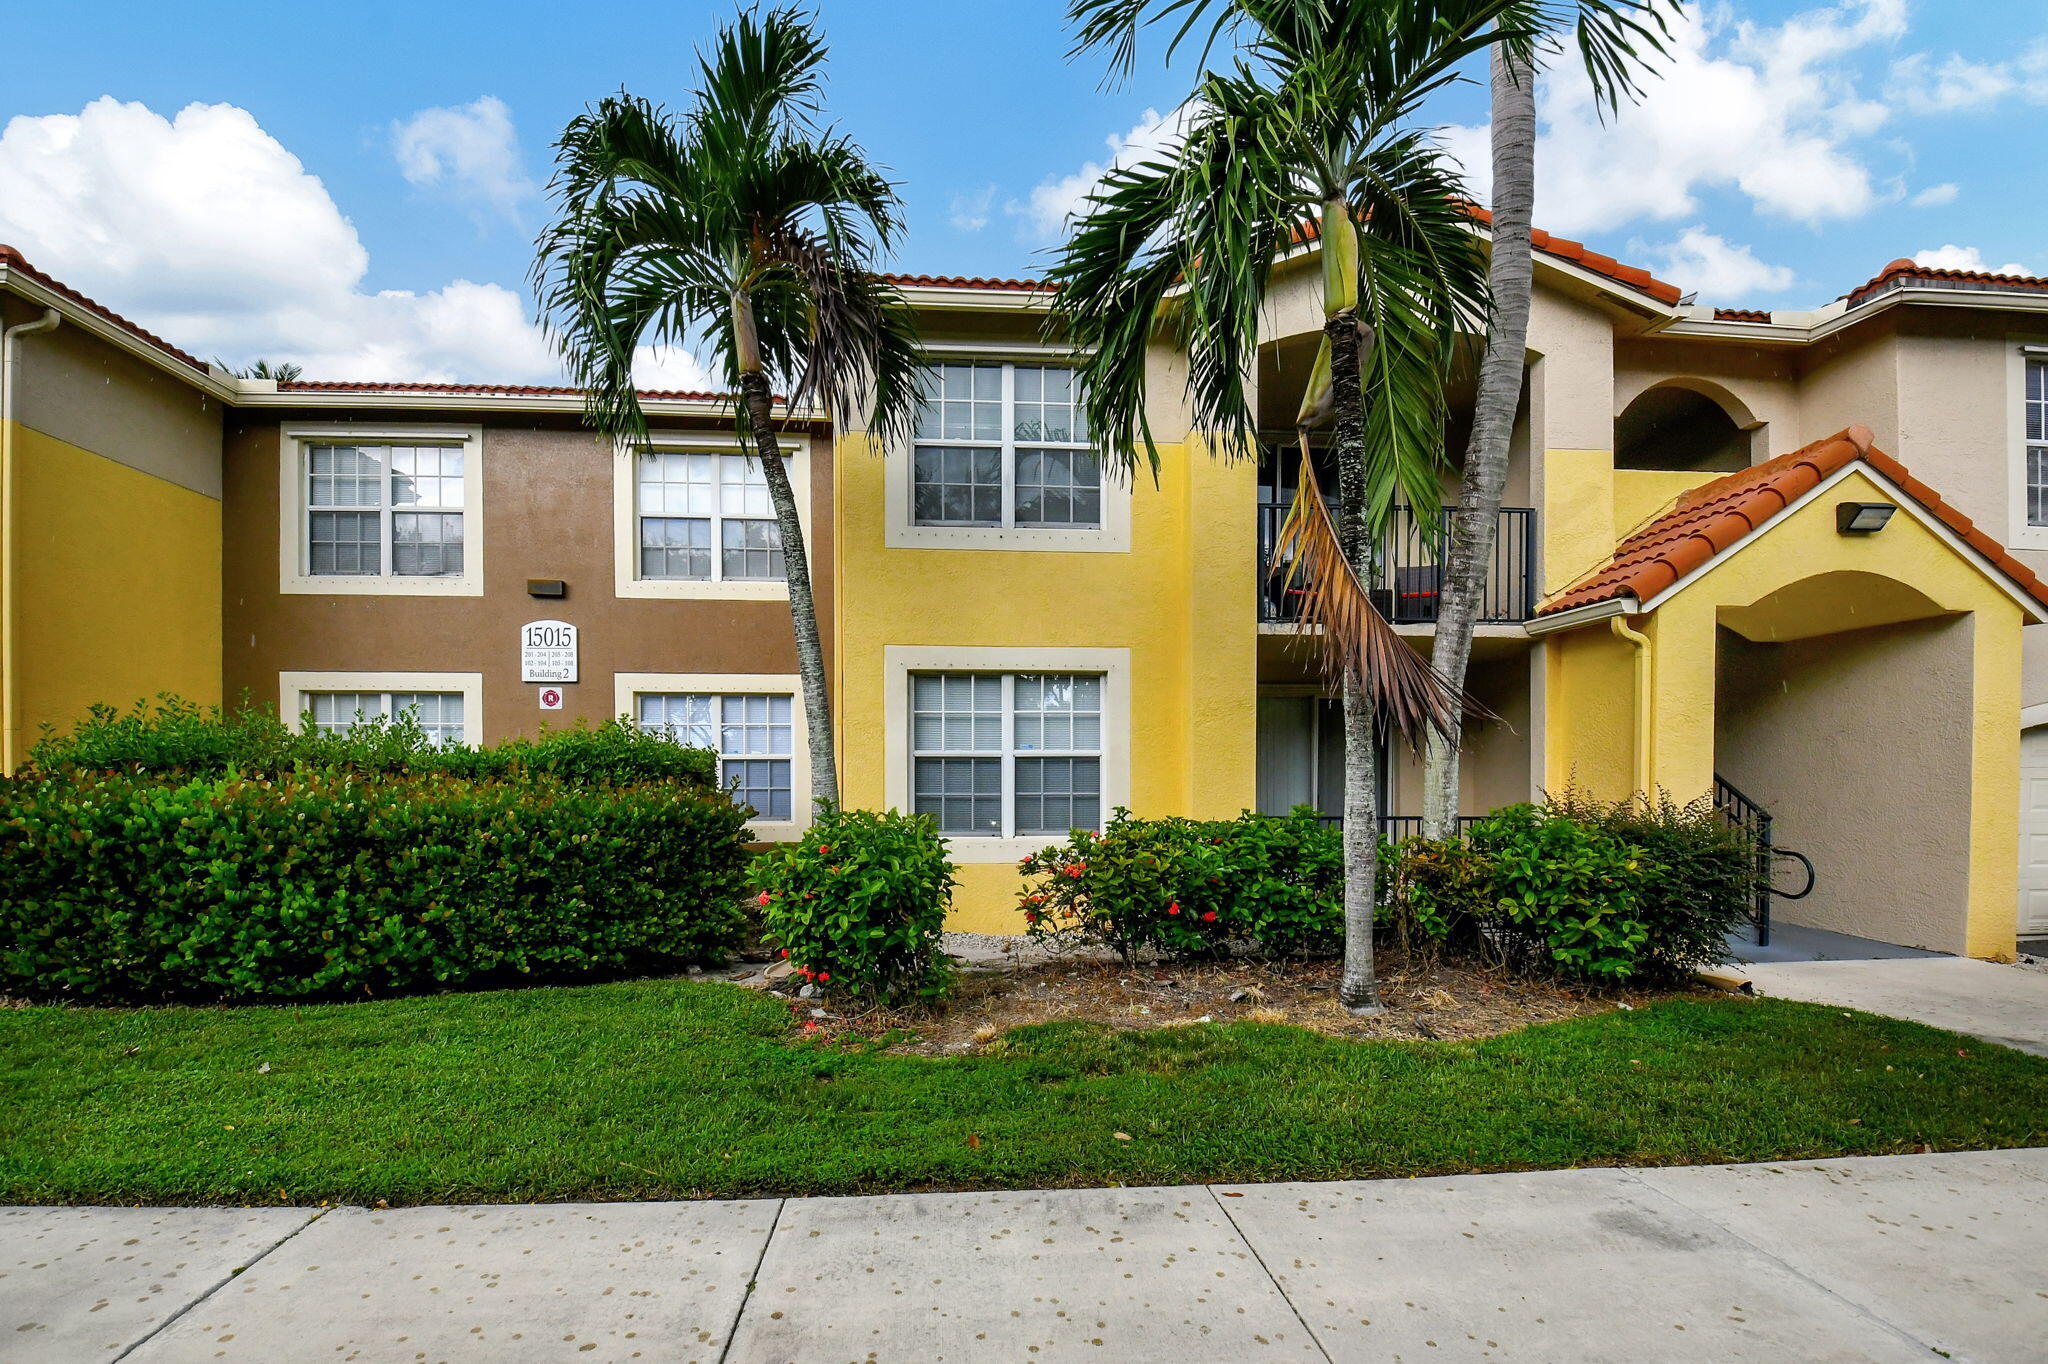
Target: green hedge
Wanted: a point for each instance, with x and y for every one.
(124, 887)
(175, 738)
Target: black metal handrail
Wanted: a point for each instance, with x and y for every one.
(1394, 828)
(1407, 580)
(1754, 823)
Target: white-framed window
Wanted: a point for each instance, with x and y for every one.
(754, 737)
(1002, 755)
(753, 722)
(1003, 444)
(1008, 748)
(393, 511)
(705, 516)
(2034, 437)
(694, 519)
(448, 706)
(439, 713)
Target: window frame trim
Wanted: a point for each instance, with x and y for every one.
(295, 575)
(293, 686)
(628, 688)
(901, 529)
(797, 453)
(2021, 351)
(1113, 665)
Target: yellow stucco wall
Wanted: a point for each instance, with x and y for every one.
(1181, 601)
(1834, 586)
(118, 595)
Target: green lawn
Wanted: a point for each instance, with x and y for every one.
(664, 1089)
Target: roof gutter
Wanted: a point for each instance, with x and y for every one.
(10, 361)
(1583, 615)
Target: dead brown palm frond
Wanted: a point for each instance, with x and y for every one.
(1409, 697)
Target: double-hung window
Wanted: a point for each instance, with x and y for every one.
(705, 517)
(439, 713)
(1003, 445)
(2034, 415)
(752, 736)
(384, 511)
(999, 755)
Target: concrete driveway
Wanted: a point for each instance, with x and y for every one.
(1997, 1003)
(1887, 1259)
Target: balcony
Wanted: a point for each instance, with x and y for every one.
(1407, 579)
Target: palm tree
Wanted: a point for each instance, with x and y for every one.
(744, 226)
(1614, 38)
(1309, 134)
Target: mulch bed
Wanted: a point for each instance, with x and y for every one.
(1424, 1001)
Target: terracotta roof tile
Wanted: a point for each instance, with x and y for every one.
(492, 390)
(15, 262)
(1713, 517)
(1902, 272)
(1741, 315)
(969, 282)
(1563, 248)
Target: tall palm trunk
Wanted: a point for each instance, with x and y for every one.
(1476, 521)
(1358, 990)
(796, 563)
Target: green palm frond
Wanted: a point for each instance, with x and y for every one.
(737, 227)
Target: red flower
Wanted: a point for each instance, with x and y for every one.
(1077, 869)
(824, 975)
(833, 870)
(785, 953)
(824, 847)
(1208, 916)
(1173, 908)
(762, 898)
(1030, 917)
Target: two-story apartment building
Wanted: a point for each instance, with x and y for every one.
(1686, 595)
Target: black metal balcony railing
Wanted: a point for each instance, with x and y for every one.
(1407, 580)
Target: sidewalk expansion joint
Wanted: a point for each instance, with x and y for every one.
(732, 1333)
(1271, 1277)
(235, 1273)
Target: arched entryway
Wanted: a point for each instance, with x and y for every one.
(1685, 425)
(1843, 705)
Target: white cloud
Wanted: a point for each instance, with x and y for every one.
(969, 212)
(1934, 196)
(1955, 84)
(671, 367)
(1718, 270)
(204, 229)
(471, 152)
(1953, 257)
(1047, 209)
(1770, 112)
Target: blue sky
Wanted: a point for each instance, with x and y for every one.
(358, 186)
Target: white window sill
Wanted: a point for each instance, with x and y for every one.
(366, 585)
(697, 589)
(1086, 540)
(977, 850)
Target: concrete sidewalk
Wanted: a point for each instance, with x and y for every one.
(2000, 1004)
(1891, 1258)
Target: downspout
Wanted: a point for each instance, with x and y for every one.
(10, 360)
(1641, 642)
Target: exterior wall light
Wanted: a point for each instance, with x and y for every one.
(1862, 518)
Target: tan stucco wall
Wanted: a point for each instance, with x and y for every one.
(94, 396)
(547, 513)
(1869, 778)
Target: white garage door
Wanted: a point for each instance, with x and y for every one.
(2034, 831)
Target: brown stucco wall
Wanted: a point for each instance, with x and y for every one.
(1860, 745)
(547, 513)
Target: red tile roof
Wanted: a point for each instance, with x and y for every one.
(491, 390)
(1901, 272)
(15, 262)
(1741, 315)
(1714, 516)
(969, 282)
(1564, 248)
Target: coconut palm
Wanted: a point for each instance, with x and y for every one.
(1615, 38)
(1310, 133)
(745, 227)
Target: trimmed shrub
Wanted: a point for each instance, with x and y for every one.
(1192, 888)
(119, 887)
(858, 903)
(1586, 889)
(176, 738)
